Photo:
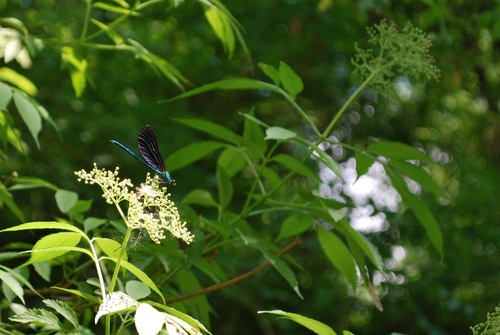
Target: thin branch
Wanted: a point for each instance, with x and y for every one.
(250, 273)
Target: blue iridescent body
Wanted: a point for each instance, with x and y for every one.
(150, 152)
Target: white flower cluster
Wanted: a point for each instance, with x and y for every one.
(149, 208)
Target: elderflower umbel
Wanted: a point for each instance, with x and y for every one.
(149, 208)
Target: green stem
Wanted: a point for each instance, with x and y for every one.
(300, 110)
(122, 250)
(86, 19)
(342, 110)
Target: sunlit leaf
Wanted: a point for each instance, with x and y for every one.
(114, 9)
(117, 39)
(77, 68)
(278, 133)
(110, 247)
(221, 25)
(311, 324)
(54, 245)
(24, 84)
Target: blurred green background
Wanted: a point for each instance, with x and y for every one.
(455, 119)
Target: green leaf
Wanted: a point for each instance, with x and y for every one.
(186, 318)
(421, 211)
(200, 197)
(109, 247)
(191, 153)
(82, 206)
(6, 199)
(363, 162)
(363, 243)
(338, 254)
(254, 137)
(278, 133)
(44, 225)
(159, 65)
(295, 165)
(397, 150)
(24, 183)
(420, 176)
(38, 315)
(221, 25)
(43, 269)
(271, 72)
(426, 218)
(5, 95)
(213, 129)
(24, 84)
(77, 69)
(91, 223)
(117, 39)
(66, 200)
(46, 248)
(232, 160)
(272, 177)
(291, 82)
(227, 84)
(283, 269)
(11, 282)
(64, 310)
(114, 9)
(294, 225)
(328, 161)
(311, 324)
(137, 290)
(226, 190)
(141, 275)
(187, 282)
(86, 296)
(29, 114)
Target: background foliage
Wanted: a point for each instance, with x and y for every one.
(455, 120)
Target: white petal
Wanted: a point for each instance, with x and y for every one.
(11, 49)
(148, 321)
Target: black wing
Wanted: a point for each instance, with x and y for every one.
(148, 147)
